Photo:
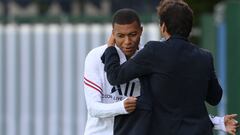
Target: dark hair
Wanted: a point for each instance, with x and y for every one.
(125, 16)
(177, 16)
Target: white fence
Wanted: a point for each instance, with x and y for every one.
(41, 67)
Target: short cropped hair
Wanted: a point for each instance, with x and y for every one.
(125, 16)
(177, 16)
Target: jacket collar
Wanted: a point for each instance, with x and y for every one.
(178, 37)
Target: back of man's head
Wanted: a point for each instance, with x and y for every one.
(177, 16)
(125, 16)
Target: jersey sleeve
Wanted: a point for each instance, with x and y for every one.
(93, 89)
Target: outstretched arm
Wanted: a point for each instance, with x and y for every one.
(227, 123)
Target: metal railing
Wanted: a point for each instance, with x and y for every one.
(41, 75)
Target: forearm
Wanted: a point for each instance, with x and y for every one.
(119, 74)
(112, 66)
(214, 89)
(103, 110)
(214, 92)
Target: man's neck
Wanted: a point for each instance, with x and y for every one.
(166, 35)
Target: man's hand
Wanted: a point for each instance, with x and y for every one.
(111, 41)
(231, 124)
(130, 104)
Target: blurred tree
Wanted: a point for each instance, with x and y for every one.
(200, 7)
(43, 6)
(5, 6)
(138, 5)
(66, 6)
(23, 3)
(82, 6)
(96, 3)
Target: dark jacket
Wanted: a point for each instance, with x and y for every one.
(176, 79)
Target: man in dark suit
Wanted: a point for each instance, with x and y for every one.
(176, 79)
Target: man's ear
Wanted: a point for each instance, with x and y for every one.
(164, 28)
(112, 32)
(141, 29)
